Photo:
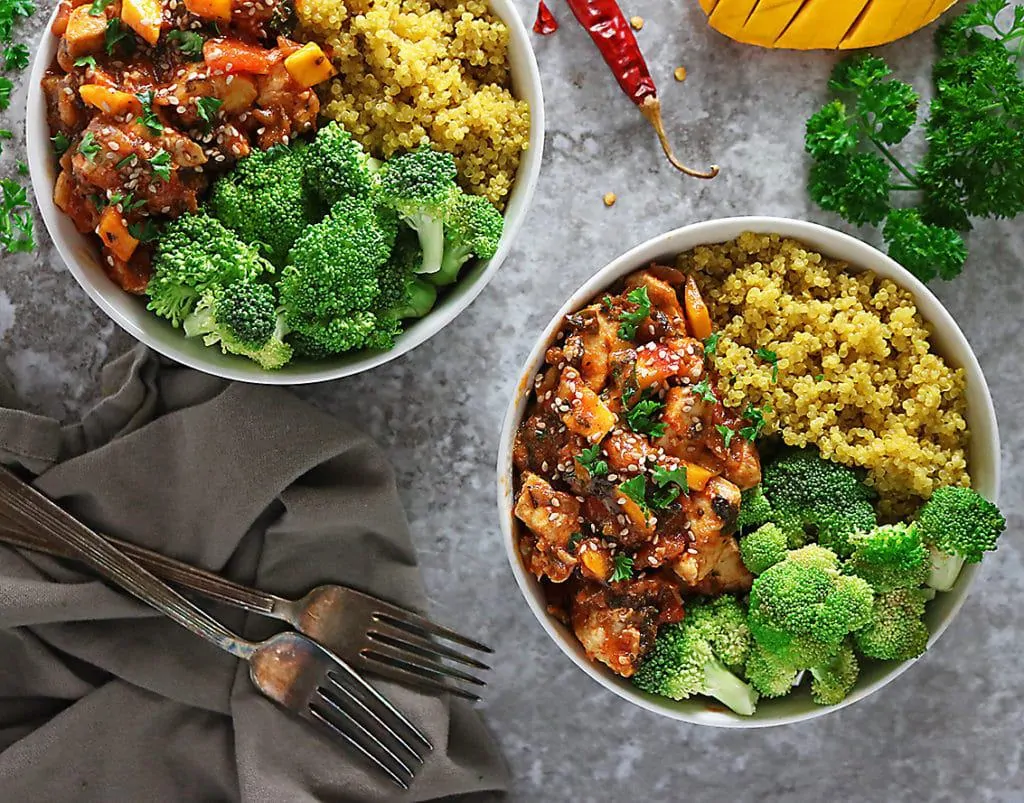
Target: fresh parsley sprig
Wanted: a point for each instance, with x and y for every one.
(770, 357)
(727, 433)
(622, 567)
(705, 391)
(590, 459)
(631, 319)
(16, 57)
(189, 43)
(756, 425)
(16, 228)
(642, 417)
(149, 118)
(207, 109)
(636, 489)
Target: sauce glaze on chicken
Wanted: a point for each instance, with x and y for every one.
(624, 403)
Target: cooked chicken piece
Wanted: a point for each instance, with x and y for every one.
(712, 518)
(686, 417)
(85, 33)
(539, 443)
(616, 624)
(656, 363)
(591, 345)
(284, 109)
(551, 517)
(627, 452)
(740, 463)
(582, 411)
(728, 576)
(667, 316)
(65, 111)
(131, 276)
(624, 524)
(68, 198)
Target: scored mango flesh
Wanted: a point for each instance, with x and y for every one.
(821, 24)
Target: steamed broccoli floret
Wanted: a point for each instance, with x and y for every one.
(802, 608)
(690, 657)
(196, 254)
(265, 201)
(763, 548)
(337, 165)
(243, 319)
(403, 294)
(419, 185)
(472, 227)
(769, 675)
(754, 508)
(896, 631)
(320, 338)
(959, 526)
(810, 495)
(834, 679)
(889, 557)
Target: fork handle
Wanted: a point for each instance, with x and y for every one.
(34, 511)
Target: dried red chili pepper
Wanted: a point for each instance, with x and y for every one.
(608, 27)
(545, 24)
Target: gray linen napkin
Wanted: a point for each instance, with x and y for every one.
(101, 699)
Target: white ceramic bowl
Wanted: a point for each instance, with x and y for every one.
(82, 257)
(947, 339)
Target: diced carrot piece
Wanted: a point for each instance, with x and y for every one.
(113, 231)
(144, 17)
(697, 476)
(596, 564)
(110, 101)
(588, 415)
(210, 9)
(309, 65)
(232, 56)
(85, 33)
(697, 315)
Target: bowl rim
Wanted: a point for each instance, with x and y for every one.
(40, 162)
(677, 241)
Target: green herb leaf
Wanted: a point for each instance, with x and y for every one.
(642, 418)
(711, 343)
(207, 109)
(630, 320)
(4, 134)
(98, 7)
(623, 570)
(818, 377)
(149, 117)
(22, 169)
(189, 43)
(705, 391)
(16, 57)
(116, 35)
(926, 251)
(574, 541)
(126, 201)
(89, 147)
(636, 489)
(60, 143)
(726, 433)
(772, 359)
(16, 227)
(131, 158)
(663, 476)
(86, 61)
(590, 459)
(145, 232)
(6, 87)
(161, 164)
(755, 415)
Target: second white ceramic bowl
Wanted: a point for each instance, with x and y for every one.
(82, 258)
(948, 340)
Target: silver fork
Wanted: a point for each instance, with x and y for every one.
(290, 669)
(371, 635)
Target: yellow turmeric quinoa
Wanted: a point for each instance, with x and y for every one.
(410, 71)
(856, 374)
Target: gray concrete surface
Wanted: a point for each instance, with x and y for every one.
(949, 730)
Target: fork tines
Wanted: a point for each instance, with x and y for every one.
(407, 648)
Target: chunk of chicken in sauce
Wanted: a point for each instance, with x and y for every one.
(551, 518)
(617, 623)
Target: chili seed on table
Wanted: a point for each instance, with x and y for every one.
(680, 73)
(637, 23)
(610, 198)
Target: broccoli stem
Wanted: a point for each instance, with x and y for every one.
(422, 297)
(431, 233)
(728, 689)
(451, 263)
(945, 570)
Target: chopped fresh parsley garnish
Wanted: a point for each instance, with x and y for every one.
(131, 158)
(127, 202)
(16, 234)
(574, 541)
(161, 164)
(590, 459)
(4, 134)
(189, 43)
(10, 10)
(16, 57)
(629, 321)
(623, 567)
(636, 489)
(663, 497)
(207, 109)
(663, 476)
(705, 391)
(711, 343)
(116, 35)
(642, 418)
(772, 359)
(60, 143)
(149, 117)
(726, 433)
(89, 147)
(145, 232)
(6, 87)
(607, 302)
(86, 61)
(22, 169)
(98, 7)
(818, 377)
(755, 415)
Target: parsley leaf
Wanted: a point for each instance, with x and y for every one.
(131, 158)
(711, 343)
(16, 57)
(726, 433)
(755, 415)
(98, 7)
(86, 61)
(926, 251)
(660, 499)
(705, 391)
(161, 164)
(22, 169)
(126, 201)
(4, 134)
(663, 476)
(149, 117)
(207, 109)
(642, 418)
(636, 489)
(145, 232)
(590, 459)
(190, 43)
(60, 143)
(818, 377)
(623, 567)
(772, 359)
(6, 86)
(16, 234)
(117, 35)
(629, 321)
(89, 147)
(574, 541)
